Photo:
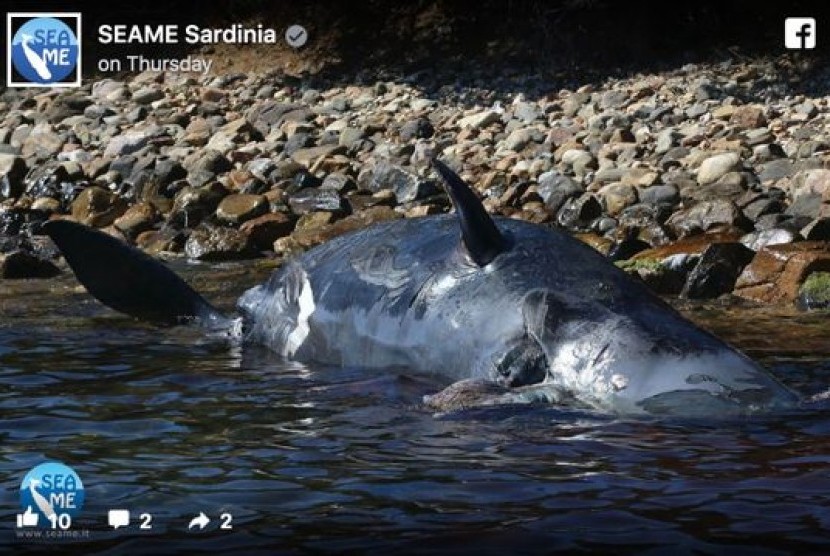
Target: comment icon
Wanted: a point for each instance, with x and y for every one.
(118, 518)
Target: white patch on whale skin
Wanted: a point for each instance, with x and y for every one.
(305, 301)
(619, 382)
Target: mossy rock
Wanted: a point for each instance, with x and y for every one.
(658, 277)
(815, 291)
(634, 266)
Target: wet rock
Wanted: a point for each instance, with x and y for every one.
(659, 277)
(602, 244)
(218, 244)
(660, 195)
(265, 170)
(136, 219)
(266, 229)
(46, 204)
(304, 180)
(761, 206)
(627, 248)
(97, 207)
(193, 204)
(339, 182)
(617, 196)
(165, 240)
(238, 208)
(706, 216)
(762, 238)
(555, 189)
(776, 273)
(204, 165)
(51, 180)
(318, 199)
(313, 221)
(691, 246)
(817, 230)
(310, 236)
(121, 168)
(578, 213)
(22, 264)
(717, 270)
(406, 186)
(714, 167)
(165, 172)
(12, 172)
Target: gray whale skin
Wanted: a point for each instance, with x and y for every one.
(509, 311)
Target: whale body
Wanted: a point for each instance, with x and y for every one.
(525, 308)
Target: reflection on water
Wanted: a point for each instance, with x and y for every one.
(318, 459)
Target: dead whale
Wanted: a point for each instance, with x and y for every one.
(528, 310)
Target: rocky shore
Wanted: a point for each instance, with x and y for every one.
(707, 180)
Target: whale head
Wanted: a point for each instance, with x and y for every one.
(570, 324)
(639, 356)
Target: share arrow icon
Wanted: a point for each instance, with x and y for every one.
(201, 520)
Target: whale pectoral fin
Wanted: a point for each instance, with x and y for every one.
(542, 314)
(126, 279)
(475, 392)
(523, 363)
(465, 394)
(479, 233)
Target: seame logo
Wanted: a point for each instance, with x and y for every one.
(44, 49)
(51, 494)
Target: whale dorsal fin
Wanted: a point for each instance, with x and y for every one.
(126, 279)
(479, 233)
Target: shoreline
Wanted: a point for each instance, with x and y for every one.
(704, 180)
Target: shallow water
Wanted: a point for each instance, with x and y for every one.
(171, 422)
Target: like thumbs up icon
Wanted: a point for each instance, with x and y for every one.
(27, 519)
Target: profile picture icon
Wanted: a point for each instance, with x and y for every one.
(51, 495)
(43, 50)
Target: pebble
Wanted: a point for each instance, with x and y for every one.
(478, 121)
(285, 163)
(715, 167)
(218, 244)
(238, 208)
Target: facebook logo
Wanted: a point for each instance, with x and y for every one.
(800, 33)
